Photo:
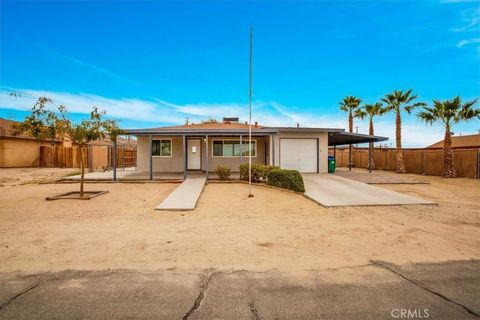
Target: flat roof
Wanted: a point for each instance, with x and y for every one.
(193, 129)
(345, 138)
(335, 136)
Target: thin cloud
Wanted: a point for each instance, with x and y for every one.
(471, 18)
(467, 42)
(458, 1)
(88, 66)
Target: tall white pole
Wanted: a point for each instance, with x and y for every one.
(250, 123)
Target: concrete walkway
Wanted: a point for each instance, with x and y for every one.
(185, 196)
(331, 190)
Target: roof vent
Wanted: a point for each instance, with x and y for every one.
(230, 120)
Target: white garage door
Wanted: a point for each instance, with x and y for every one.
(299, 154)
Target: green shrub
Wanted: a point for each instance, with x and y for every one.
(259, 171)
(287, 179)
(269, 168)
(223, 172)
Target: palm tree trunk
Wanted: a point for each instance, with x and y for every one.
(371, 160)
(448, 158)
(398, 142)
(350, 121)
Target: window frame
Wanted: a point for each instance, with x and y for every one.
(171, 147)
(254, 141)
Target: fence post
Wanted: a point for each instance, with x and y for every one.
(386, 159)
(478, 163)
(423, 160)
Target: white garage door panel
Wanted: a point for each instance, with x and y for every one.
(298, 154)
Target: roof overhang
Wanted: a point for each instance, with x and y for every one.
(345, 138)
(190, 132)
(199, 131)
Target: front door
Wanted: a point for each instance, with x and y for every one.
(194, 154)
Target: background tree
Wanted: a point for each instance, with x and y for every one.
(448, 113)
(350, 104)
(82, 134)
(113, 131)
(370, 111)
(397, 102)
(41, 124)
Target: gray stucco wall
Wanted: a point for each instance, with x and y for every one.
(175, 163)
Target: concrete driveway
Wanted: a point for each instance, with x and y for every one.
(331, 190)
(377, 290)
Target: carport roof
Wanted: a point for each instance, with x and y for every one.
(344, 138)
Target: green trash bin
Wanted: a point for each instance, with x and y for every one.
(331, 164)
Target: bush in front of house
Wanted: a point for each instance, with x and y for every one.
(259, 171)
(286, 179)
(223, 172)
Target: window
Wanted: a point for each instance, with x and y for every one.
(162, 148)
(231, 148)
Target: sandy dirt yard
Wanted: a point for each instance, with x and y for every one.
(20, 176)
(274, 230)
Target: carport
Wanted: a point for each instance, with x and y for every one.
(348, 138)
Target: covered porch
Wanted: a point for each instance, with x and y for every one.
(178, 155)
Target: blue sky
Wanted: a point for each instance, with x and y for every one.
(155, 63)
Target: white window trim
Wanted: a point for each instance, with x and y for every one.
(171, 147)
(235, 139)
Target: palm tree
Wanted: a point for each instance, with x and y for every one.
(370, 111)
(397, 102)
(350, 104)
(448, 113)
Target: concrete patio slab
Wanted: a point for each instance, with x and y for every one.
(378, 176)
(102, 175)
(331, 190)
(185, 196)
(128, 174)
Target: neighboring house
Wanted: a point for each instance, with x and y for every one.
(24, 150)
(201, 147)
(467, 141)
(19, 151)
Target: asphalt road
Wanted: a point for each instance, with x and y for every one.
(374, 291)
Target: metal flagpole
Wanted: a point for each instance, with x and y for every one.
(250, 123)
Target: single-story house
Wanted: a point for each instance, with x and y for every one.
(462, 141)
(201, 147)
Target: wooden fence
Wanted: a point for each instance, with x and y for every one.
(419, 161)
(97, 157)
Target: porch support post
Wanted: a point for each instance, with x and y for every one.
(273, 149)
(350, 157)
(206, 158)
(184, 158)
(115, 159)
(241, 148)
(150, 157)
